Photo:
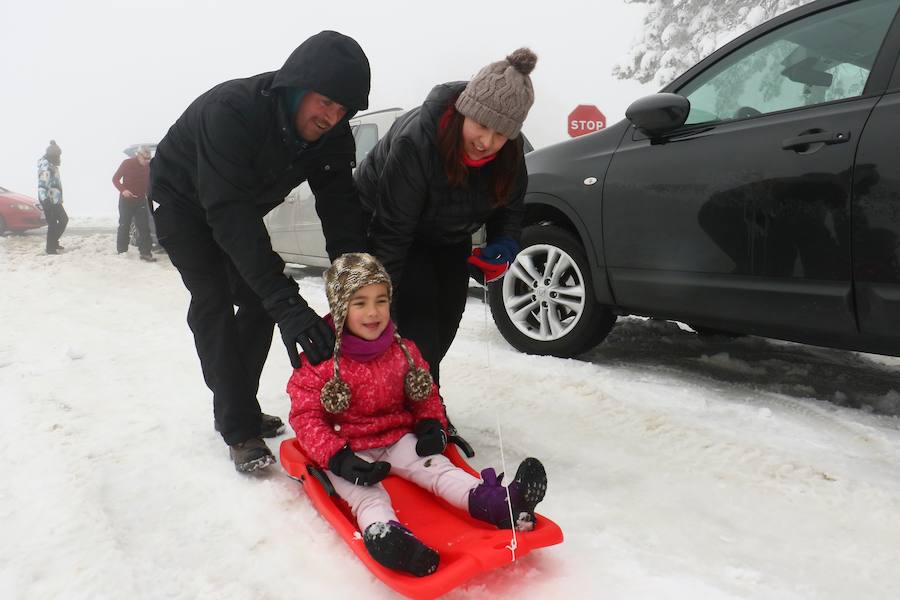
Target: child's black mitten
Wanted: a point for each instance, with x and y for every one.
(357, 470)
(432, 437)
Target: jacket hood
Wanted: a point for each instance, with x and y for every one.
(331, 64)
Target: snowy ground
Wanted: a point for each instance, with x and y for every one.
(678, 468)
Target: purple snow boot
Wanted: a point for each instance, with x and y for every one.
(395, 547)
(487, 502)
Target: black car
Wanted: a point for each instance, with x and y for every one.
(759, 193)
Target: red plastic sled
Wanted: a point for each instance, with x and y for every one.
(467, 547)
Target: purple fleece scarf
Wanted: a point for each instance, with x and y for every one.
(361, 350)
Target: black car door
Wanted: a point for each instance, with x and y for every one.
(876, 224)
(742, 216)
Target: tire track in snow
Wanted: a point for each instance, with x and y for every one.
(693, 443)
(686, 442)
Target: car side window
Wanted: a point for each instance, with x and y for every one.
(366, 136)
(823, 57)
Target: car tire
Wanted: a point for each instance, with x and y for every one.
(555, 313)
(2, 226)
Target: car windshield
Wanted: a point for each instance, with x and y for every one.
(3, 190)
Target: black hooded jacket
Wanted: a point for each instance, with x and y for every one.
(402, 184)
(234, 155)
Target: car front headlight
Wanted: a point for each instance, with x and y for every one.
(23, 206)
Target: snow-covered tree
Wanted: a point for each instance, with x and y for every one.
(678, 33)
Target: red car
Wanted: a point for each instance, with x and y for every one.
(19, 213)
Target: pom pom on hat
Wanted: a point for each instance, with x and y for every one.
(335, 395)
(417, 384)
(523, 60)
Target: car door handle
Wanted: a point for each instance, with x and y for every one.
(802, 142)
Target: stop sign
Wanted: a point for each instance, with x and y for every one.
(586, 118)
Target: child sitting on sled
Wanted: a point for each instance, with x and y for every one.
(373, 409)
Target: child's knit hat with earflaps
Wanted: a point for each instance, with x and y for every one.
(347, 274)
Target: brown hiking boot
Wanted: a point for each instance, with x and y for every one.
(270, 426)
(251, 455)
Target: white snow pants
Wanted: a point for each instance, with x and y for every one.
(435, 473)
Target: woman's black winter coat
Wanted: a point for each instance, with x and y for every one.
(403, 186)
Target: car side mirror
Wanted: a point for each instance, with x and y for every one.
(659, 113)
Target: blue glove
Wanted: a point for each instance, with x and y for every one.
(501, 249)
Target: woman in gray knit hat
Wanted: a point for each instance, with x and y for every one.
(444, 170)
(372, 409)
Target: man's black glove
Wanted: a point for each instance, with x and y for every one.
(432, 438)
(299, 324)
(357, 470)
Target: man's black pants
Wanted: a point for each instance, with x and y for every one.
(57, 219)
(432, 297)
(232, 344)
(133, 209)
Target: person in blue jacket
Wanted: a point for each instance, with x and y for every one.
(50, 195)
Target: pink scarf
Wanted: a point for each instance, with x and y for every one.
(361, 350)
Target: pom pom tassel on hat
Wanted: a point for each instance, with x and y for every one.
(347, 274)
(417, 383)
(335, 394)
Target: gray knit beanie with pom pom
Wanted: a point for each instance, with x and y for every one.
(500, 95)
(346, 275)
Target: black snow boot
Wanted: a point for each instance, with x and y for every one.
(395, 547)
(251, 455)
(270, 426)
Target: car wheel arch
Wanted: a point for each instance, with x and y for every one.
(548, 209)
(543, 304)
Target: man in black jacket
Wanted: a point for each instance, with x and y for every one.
(231, 157)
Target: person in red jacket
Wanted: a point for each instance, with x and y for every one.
(131, 180)
(373, 409)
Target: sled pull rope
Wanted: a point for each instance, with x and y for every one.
(513, 542)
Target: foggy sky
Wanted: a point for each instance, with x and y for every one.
(99, 75)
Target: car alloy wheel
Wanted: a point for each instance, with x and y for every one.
(545, 303)
(543, 293)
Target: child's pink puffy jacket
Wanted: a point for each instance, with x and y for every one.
(379, 413)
